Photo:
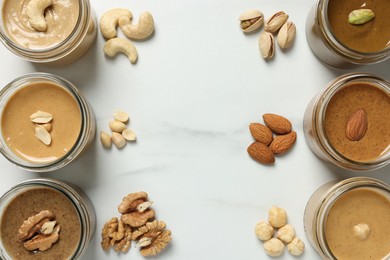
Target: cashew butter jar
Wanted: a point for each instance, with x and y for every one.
(45, 219)
(343, 34)
(348, 122)
(55, 32)
(350, 219)
(46, 122)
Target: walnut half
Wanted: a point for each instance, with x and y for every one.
(42, 242)
(135, 209)
(115, 233)
(34, 223)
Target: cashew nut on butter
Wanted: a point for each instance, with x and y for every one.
(35, 12)
(361, 231)
(274, 247)
(140, 31)
(277, 217)
(115, 45)
(264, 230)
(110, 19)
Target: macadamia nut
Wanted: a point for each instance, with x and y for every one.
(361, 231)
(264, 230)
(273, 247)
(286, 233)
(277, 217)
(296, 247)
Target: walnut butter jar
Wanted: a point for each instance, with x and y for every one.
(62, 35)
(28, 210)
(350, 219)
(341, 44)
(46, 123)
(348, 122)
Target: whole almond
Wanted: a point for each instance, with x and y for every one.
(261, 153)
(357, 125)
(261, 133)
(278, 124)
(283, 143)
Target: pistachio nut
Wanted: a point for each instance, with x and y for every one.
(266, 45)
(251, 20)
(275, 22)
(360, 16)
(286, 35)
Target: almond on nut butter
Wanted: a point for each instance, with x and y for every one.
(278, 124)
(261, 153)
(261, 133)
(283, 143)
(357, 125)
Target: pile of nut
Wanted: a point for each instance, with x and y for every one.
(285, 234)
(43, 126)
(39, 232)
(120, 133)
(122, 17)
(266, 146)
(136, 223)
(253, 19)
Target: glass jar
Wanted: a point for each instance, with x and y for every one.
(81, 139)
(314, 123)
(321, 202)
(65, 51)
(79, 203)
(328, 49)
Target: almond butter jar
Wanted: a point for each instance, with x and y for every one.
(71, 212)
(68, 31)
(43, 146)
(356, 104)
(340, 44)
(350, 219)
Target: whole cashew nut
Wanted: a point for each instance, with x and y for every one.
(109, 21)
(35, 11)
(113, 46)
(140, 31)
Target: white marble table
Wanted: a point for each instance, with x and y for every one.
(197, 85)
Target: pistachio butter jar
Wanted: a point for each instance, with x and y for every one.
(339, 44)
(350, 219)
(37, 146)
(71, 29)
(72, 210)
(333, 112)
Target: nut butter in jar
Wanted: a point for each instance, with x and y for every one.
(350, 219)
(71, 210)
(70, 29)
(29, 140)
(356, 103)
(343, 45)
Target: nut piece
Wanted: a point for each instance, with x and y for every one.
(361, 231)
(261, 153)
(42, 242)
(286, 35)
(115, 45)
(47, 227)
(296, 247)
(261, 133)
(140, 31)
(278, 124)
(135, 210)
(129, 134)
(124, 245)
(264, 230)
(360, 16)
(118, 140)
(116, 234)
(35, 12)
(138, 219)
(357, 125)
(132, 201)
(286, 233)
(283, 143)
(274, 247)
(275, 22)
(41, 117)
(266, 45)
(105, 139)
(117, 126)
(109, 21)
(251, 20)
(42, 134)
(109, 227)
(277, 217)
(33, 224)
(121, 116)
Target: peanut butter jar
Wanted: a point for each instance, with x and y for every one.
(70, 30)
(38, 146)
(339, 44)
(329, 115)
(350, 219)
(72, 212)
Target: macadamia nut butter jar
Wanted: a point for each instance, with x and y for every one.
(350, 219)
(45, 219)
(46, 122)
(342, 39)
(348, 122)
(63, 34)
